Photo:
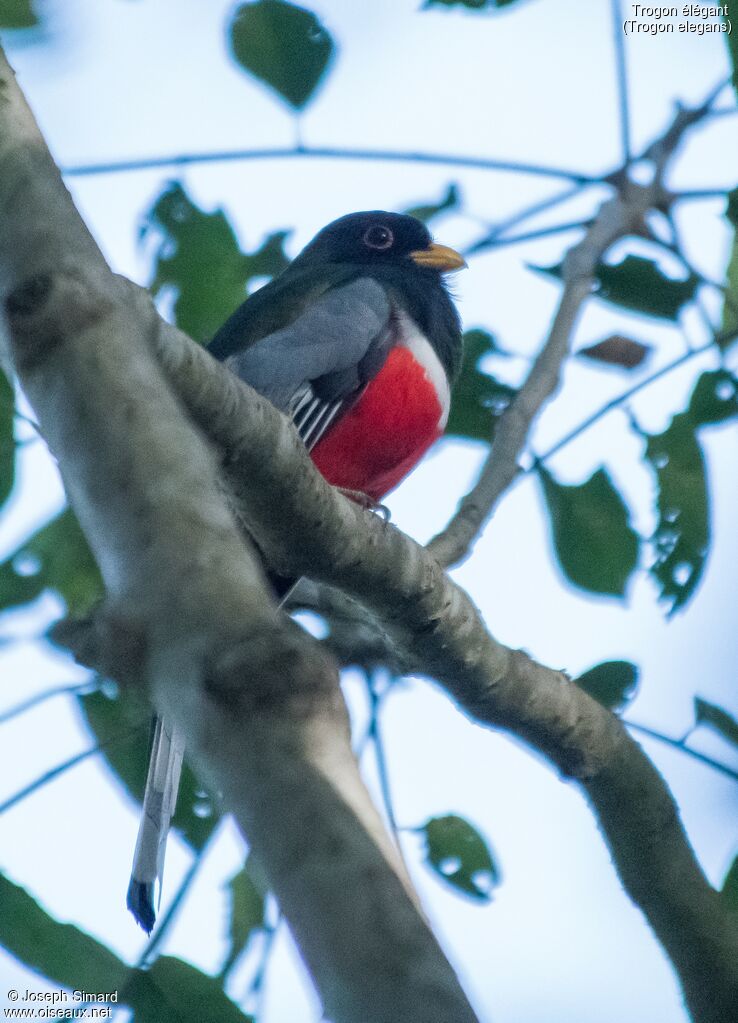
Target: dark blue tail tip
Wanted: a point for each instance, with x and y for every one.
(140, 901)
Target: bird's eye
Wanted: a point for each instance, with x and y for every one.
(379, 237)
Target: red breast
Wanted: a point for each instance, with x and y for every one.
(400, 413)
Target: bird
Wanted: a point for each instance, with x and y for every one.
(358, 341)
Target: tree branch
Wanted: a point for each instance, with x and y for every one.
(188, 612)
(619, 216)
(145, 492)
(303, 526)
(327, 153)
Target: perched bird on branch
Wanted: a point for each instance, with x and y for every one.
(359, 343)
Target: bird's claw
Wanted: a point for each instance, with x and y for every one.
(359, 497)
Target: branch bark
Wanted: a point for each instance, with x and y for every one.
(188, 612)
(304, 527)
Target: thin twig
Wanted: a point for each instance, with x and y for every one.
(625, 214)
(66, 765)
(622, 79)
(501, 466)
(324, 153)
(525, 236)
(701, 193)
(662, 149)
(375, 734)
(496, 231)
(680, 745)
(256, 986)
(34, 701)
(621, 399)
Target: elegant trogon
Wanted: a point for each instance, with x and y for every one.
(359, 343)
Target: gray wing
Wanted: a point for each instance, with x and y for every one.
(315, 366)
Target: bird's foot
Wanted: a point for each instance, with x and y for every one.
(359, 497)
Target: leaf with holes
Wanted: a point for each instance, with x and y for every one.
(612, 683)
(460, 856)
(617, 350)
(682, 536)
(199, 256)
(112, 715)
(282, 45)
(479, 399)
(246, 891)
(639, 285)
(714, 398)
(449, 201)
(729, 891)
(595, 545)
(56, 558)
(715, 717)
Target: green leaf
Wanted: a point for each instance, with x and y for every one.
(478, 398)
(110, 715)
(56, 558)
(449, 201)
(171, 990)
(471, 5)
(200, 257)
(639, 285)
(17, 14)
(176, 992)
(731, 210)
(282, 45)
(7, 438)
(729, 890)
(60, 952)
(682, 536)
(612, 683)
(460, 856)
(247, 892)
(719, 720)
(729, 325)
(595, 545)
(714, 398)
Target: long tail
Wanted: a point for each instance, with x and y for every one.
(159, 802)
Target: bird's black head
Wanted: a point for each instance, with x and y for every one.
(399, 252)
(377, 238)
